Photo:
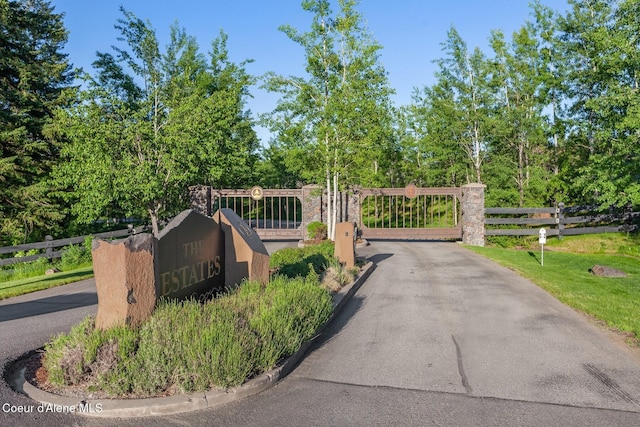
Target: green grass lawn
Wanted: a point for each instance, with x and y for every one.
(24, 286)
(566, 276)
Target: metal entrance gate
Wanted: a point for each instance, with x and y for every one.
(273, 214)
(411, 213)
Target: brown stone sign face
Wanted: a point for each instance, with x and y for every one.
(125, 279)
(246, 255)
(190, 257)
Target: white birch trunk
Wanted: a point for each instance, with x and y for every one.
(329, 209)
(334, 216)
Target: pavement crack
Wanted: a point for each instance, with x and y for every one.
(463, 376)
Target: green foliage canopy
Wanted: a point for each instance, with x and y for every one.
(150, 124)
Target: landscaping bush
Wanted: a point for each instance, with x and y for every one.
(188, 346)
(293, 262)
(317, 231)
(74, 256)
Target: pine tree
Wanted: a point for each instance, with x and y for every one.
(35, 78)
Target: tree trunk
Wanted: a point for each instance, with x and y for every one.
(520, 178)
(154, 221)
(329, 209)
(335, 206)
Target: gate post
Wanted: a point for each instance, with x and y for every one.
(473, 214)
(200, 196)
(311, 207)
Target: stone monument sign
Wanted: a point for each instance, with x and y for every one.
(189, 257)
(125, 277)
(246, 255)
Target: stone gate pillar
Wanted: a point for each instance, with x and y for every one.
(473, 214)
(200, 197)
(312, 207)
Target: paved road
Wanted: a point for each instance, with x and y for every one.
(437, 335)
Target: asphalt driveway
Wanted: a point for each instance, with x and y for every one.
(437, 317)
(437, 335)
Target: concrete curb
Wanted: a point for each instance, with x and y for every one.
(129, 408)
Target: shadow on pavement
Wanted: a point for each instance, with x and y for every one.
(47, 305)
(338, 323)
(377, 258)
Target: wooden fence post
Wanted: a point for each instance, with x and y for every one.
(560, 217)
(49, 250)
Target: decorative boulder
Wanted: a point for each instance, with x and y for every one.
(601, 270)
(125, 280)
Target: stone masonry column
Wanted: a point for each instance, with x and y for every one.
(200, 197)
(473, 214)
(311, 207)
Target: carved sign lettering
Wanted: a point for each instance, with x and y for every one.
(190, 257)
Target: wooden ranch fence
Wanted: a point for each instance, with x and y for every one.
(49, 245)
(558, 221)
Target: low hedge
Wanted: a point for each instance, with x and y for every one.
(293, 262)
(188, 346)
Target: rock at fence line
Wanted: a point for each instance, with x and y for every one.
(601, 270)
(125, 280)
(246, 255)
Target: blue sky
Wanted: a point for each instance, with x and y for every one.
(410, 31)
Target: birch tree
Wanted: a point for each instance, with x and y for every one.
(466, 75)
(521, 127)
(335, 122)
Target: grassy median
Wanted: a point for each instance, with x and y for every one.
(188, 346)
(17, 287)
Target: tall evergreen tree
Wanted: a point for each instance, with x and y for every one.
(35, 79)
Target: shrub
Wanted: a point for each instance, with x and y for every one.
(293, 262)
(188, 346)
(75, 256)
(317, 231)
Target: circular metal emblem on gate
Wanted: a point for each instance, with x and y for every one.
(257, 192)
(410, 191)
